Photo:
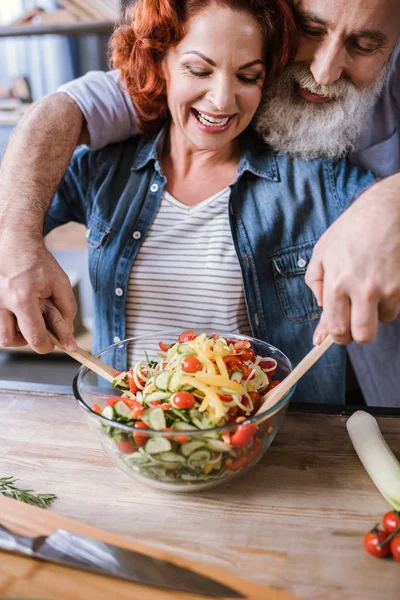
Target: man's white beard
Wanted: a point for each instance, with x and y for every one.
(292, 125)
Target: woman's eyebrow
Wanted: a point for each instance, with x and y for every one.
(209, 60)
(258, 61)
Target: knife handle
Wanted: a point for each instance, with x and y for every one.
(12, 542)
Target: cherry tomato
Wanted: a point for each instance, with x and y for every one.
(140, 438)
(113, 400)
(395, 547)
(225, 397)
(371, 541)
(391, 521)
(243, 349)
(183, 400)
(243, 435)
(186, 336)
(268, 365)
(226, 438)
(164, 365)
(96, 408)
(132, 384)
(272, 385)
(164, 405)
(124, 446)
(234, 363)
(137, 409)
(163, 347)
(179, 439)
(191, 364)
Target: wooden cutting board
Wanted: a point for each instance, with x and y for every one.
(28, 578)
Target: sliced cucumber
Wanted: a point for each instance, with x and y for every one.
(108, 413)
(123, 410)
(158, 445)
(161, 381)
(199, 458)
(154, 396)
(181, 414)
(186, 349)
(182, 426)
(237, 376)
(172, 457)
(175, 382)
(190, 447)
(195, 414)
(157, 419)
(218, 446)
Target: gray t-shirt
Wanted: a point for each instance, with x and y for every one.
(111, 118)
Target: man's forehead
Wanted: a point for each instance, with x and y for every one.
(375, 15)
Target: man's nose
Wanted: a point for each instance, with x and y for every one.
(328, 62)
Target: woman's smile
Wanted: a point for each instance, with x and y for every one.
(211, 123)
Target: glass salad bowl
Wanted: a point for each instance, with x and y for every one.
(183, 417)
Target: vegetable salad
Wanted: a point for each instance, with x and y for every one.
(198, 384)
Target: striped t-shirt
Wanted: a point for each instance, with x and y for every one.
(187, 274)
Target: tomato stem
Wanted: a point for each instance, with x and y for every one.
(389, 538)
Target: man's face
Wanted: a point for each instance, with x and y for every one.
(351, 38)
(321, 103)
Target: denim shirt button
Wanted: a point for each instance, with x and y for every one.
(137, 235)
(154, 187)
(119, 292)
(256, 318)
(301, 263)
(116, 339)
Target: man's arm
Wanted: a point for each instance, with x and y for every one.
(33, 166)
(355, 268)
(94, 109)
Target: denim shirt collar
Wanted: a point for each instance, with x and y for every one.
(255, 158)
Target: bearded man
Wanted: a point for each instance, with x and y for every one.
(340, 97)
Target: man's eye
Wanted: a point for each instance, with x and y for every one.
(197, 73)
(311, 32)
(362, 49)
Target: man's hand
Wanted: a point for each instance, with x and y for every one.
(32, 284)
(355, 268)
(34, 292)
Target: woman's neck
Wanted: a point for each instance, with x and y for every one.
(185, 158)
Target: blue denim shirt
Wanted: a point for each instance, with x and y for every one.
(279, 207)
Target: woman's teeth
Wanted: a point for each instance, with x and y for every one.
(210, 121)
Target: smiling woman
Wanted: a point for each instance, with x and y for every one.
(156, 26)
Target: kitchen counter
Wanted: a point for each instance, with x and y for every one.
(295, 522)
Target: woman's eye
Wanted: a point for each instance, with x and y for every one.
(197, 73)
(249, 80)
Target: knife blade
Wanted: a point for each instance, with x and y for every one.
(77, 551)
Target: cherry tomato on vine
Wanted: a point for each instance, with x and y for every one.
(371, 541)
(395, 547)
(183, 400)
(391, 521)
(191, 364)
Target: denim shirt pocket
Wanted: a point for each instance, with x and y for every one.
(96, 236)
(297, 301)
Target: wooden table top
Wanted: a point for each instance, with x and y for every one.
(295, 522)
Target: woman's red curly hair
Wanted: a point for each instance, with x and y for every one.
(153, 26)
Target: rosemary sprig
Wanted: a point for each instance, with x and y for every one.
(8, 488)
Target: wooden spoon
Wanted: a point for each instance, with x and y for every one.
(85, 358)
(276, 394)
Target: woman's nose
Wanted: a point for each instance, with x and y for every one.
(222, 95)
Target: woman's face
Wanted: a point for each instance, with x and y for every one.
(215, 77)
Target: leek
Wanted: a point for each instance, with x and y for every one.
(379, 461)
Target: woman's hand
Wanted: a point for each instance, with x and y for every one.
(355, 269)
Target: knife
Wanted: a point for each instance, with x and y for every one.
(65, 548)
